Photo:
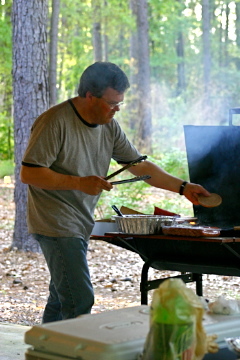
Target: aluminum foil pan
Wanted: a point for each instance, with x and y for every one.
(142, 224)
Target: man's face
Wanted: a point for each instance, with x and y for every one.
(106, 106)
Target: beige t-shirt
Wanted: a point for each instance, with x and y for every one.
(65, 143)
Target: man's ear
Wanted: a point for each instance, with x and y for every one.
(89, 95)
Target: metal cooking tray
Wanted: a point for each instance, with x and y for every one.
(142, 224)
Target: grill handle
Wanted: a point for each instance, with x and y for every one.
(231, 112)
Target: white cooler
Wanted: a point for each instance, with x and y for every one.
(113, 335)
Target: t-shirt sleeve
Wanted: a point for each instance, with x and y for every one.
(44, 144)
(124, 151)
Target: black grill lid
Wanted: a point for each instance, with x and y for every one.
(213, 154)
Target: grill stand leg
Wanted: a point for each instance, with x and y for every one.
(199, 285)
(143, 284)
(147, 285)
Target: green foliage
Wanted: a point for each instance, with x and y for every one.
(6, 168)
(6, 133)
(75, 50)
(5, 39)
(131, 195)
(167, 19)
(174, 162)
(6, 137)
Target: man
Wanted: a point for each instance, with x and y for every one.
(65, 165)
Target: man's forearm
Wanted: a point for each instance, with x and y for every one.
(159, 177)
(48, 179)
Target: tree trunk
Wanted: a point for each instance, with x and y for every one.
(30, 94)
(105, 37)
(97, 36)
(144, 109)
(226, 38)
(53, 52)
(181, 84)
(206, 48)
(220, 30)
(237, 60)
(133, 54)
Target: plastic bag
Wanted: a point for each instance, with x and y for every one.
(176, 330)
(234, 345)
(224, 306)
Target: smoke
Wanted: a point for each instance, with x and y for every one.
(171, 113)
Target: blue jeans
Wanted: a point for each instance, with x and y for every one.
(71, 291)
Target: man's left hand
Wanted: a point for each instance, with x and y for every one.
(191, 192)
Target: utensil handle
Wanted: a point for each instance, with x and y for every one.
(141, 158)
(137, 178)
(116, 209)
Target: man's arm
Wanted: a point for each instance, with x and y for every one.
(162, 179)
(48, 179)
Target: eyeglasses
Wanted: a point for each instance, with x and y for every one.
(112, 104)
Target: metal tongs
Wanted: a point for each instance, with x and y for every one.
(137, 178)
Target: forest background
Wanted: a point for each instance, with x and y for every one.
(182, 59)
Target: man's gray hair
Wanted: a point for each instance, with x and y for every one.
(99, 76)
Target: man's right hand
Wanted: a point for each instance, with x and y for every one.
(93, 185)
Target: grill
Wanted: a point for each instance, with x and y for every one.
(192, 256)
(214, 162)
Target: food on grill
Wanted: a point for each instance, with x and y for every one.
(186, 220)
(210, 201)
(194, 231)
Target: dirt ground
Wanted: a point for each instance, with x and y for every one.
(115, 275)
